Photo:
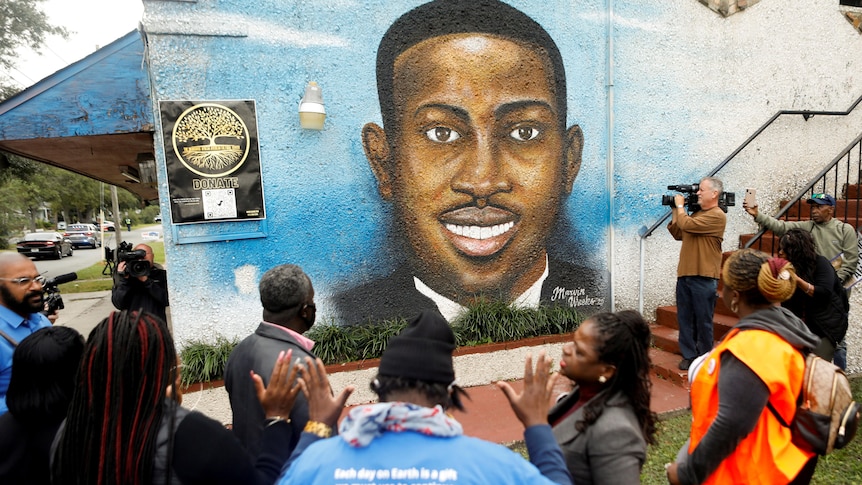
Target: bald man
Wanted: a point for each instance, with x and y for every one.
(147, 292)
(21, 302)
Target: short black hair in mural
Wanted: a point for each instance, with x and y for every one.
(445, 17)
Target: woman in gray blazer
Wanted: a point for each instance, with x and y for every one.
(605, 423)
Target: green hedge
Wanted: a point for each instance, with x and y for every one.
(484, 322)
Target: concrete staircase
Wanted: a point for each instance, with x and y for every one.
(665, 352)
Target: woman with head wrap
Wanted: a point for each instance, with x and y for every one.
(750, 378)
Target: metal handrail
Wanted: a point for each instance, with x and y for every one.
(820, 178)
(645, 233)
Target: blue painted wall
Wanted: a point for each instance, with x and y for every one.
(324, 210)
(688, 87)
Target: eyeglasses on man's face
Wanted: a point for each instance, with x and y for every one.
(26, 280)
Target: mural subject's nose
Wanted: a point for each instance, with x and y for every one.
(481, 174)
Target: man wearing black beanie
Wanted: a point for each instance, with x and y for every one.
(408, 437)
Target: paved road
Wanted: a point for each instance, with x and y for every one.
(83, 311)
(84, 258)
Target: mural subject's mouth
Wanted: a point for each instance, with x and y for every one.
(479, 232)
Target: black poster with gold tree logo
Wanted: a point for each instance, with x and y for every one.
(213, 160)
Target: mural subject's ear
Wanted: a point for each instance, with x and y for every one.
(572, 154)
(377, 152)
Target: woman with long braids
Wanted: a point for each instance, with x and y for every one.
(605, 423)
(752, 376)
(125, 424)
(820, 299)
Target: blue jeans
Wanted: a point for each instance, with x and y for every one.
(695, 306)
(840, 357)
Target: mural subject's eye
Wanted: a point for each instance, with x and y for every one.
(524, 133)
(441, 134)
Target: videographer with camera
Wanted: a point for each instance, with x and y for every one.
(139, 284)
(21, 303)
(699, 266)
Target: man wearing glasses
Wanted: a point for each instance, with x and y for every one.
(20, 303)
(835, 240)
(287, 297)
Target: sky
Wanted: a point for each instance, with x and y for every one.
(92, 24)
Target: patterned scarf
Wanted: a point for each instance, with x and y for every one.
(364, 423)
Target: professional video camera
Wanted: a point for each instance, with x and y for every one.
(51, 292)
(135, 259)
(725, 200)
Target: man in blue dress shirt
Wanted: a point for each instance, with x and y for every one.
(20, 303)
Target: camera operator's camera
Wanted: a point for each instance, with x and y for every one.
(725, 200)
(51, 292)
(135, 259)
(690, 199)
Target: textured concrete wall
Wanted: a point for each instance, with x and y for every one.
(689, 86)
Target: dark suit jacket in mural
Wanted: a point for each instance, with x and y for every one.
(258, 352)
(610, 451)
(395, 296)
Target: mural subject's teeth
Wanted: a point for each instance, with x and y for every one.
(478, 232)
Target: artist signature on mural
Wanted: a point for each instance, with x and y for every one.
(576, 297)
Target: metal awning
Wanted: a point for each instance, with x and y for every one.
(93, 117)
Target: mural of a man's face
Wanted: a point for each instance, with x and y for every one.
(478, 164)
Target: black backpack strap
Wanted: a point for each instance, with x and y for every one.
(10, 339)
(777, 416)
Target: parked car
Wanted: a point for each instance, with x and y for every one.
(108, 226)
(83, 236)
(158, 218)
(45, 245)
(61, 226)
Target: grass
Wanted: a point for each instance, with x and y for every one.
(93, 278)
(839, 467)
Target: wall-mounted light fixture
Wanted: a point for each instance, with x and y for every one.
(130, 173)
(311, 111)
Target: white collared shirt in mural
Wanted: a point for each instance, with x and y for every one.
(452, 310)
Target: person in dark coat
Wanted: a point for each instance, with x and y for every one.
(820, 299)
(45, 363)
(287, 296)
(147, 292)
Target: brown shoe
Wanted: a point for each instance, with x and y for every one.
(684, 364)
